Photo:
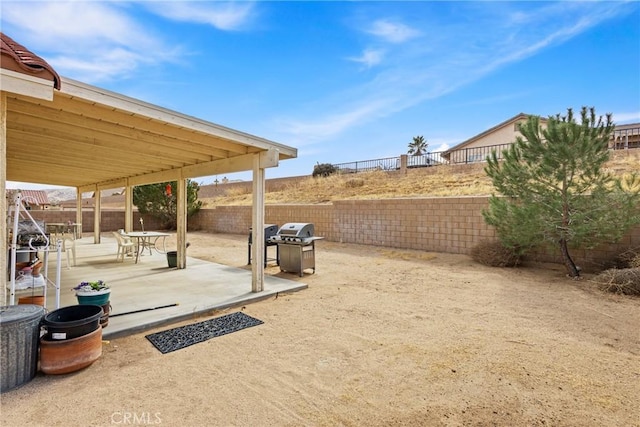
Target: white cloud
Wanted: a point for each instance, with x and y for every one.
(96, 41)
(88, 41)
(306, 132)
(392, 32)
(221, 15)
(629, 117)
(369, 58)
(74, 25)
(456, 54)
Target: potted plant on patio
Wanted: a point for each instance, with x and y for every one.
(96, 293)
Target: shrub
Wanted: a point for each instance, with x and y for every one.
(625, 281)
(495, 254)
(628, 259)
(323, 169)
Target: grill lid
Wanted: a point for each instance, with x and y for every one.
(296, 229)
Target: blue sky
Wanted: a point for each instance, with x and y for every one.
(346, 81)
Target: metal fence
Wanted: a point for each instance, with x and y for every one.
(386, 164)
(623, 139)
(435, 158)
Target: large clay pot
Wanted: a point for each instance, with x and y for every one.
(63, 357)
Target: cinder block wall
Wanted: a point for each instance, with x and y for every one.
(443, 224)
(109, 220)
(449, 224)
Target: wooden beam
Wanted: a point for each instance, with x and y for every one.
(61, 157)
(23, 84)
(257, 226)
(79, 211)
(73, 110)
(3, 192)
(117, 101)
(97, 209)
(128, 207)
(223, 166)
(269, 158)
(181, 223)
(152, 178)
(71, 128)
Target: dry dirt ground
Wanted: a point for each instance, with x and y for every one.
(381, 337)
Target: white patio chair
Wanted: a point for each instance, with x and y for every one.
(125, 246)
(68, 246)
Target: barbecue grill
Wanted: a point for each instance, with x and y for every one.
(296, 247)
(270, 230)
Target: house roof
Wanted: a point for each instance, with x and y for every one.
(18, 58)
(514, 119)
(86, 137)
(629, 126)
(518, 117)
(35, 197)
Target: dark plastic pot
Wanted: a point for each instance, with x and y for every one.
(71, 322)
(172, 259)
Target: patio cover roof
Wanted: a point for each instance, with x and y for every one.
(58, 131)
(82, 136)
(85, 136)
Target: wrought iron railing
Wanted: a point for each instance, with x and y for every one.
(622, 139)
(435, 158)
(386, 164)
(474, 154)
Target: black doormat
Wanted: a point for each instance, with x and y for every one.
(184, 336)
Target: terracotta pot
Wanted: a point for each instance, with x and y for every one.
(65, 356)
(37, 300)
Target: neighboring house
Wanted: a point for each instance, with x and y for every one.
(32, 199)
(107, 202)
(626, 136)
(477, 148)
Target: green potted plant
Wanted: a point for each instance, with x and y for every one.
(95, 293)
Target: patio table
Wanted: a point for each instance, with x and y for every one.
(144, 240)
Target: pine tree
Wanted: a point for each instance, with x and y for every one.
(555, 188)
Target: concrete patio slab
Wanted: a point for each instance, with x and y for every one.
(150, 294)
